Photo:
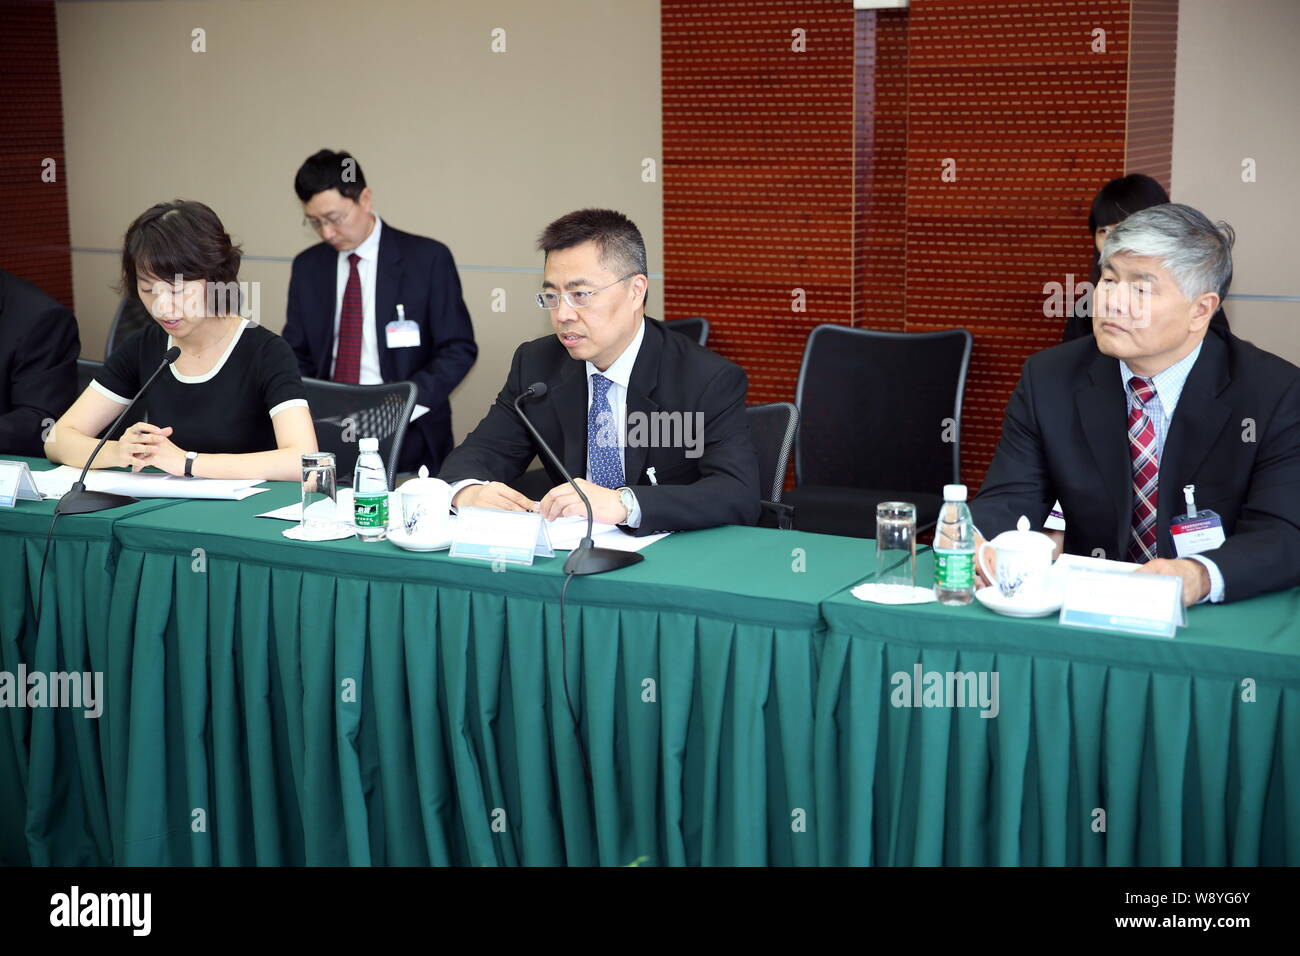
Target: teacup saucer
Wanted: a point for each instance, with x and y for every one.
(1038, 602)
(400, 538)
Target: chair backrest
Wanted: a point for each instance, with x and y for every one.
(344, 414)
(874, 408)
(131, 317)
(86, 370)
(772, 429)
(695, 326)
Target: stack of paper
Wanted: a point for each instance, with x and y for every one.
(56, 482)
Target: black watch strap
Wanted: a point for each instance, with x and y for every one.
(189, 464)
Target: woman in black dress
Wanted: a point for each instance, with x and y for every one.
(231, 406)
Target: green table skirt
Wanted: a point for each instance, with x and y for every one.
(277, 716)
(1162, 736)
(51, 774)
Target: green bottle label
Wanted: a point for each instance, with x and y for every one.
(955, 572)
(370, 511)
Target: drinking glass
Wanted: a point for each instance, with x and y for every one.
(319, 491)
(896, 546)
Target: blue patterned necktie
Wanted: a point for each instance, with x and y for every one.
(603, 465)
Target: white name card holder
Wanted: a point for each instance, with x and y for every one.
(16, 483)
(513, 537)
(1146, 604)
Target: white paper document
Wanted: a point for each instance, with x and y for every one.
(57, 481)
(567, 533)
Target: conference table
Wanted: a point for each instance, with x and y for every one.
(276, 702)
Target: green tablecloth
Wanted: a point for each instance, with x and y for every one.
(235, 738)
(270, 701)
(69, 820)
(1154, 732)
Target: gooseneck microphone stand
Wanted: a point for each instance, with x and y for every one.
(586, 558)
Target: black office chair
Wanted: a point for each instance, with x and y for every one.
(772, 429)
(131, 317)
(880, 420)
(695, 326)
(344, 414)
(86, 370)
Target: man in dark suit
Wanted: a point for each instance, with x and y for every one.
(39, 346)
(651, 425)
(371, 304)
(1116, 424)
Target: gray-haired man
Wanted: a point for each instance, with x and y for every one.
(1114, 426)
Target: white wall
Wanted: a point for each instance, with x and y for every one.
(475, 148)
(1238, 96)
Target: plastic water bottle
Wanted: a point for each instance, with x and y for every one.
(954, 549)
(370, 493)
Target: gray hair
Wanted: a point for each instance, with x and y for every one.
(1197, 252)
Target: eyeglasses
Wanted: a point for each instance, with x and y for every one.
(334, 219)
(575, 300)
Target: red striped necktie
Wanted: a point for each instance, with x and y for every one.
(347, 362)
(1146, 472)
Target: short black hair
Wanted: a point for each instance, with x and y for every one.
(617, 238)
(325, 170)
(181, 237)
(1122, 197)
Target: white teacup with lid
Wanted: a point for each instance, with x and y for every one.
(426, 507)
(1023, 559)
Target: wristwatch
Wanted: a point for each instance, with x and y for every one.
(189, 463)
(627, 500)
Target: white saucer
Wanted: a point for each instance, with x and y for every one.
(1026, 604)
(400, 538)
(336, 532)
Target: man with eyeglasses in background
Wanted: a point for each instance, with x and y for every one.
(617, 384)
(371, 304)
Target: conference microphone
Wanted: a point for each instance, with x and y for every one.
(586, 558)
(79, 501)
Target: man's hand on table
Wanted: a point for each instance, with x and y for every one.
(1196, 578)
(493, 495)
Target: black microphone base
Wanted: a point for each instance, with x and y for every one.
(599, 560)
(88, 502)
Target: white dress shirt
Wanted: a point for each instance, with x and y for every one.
(367, 269)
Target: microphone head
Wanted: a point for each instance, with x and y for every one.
(172, 354)
(537, 389)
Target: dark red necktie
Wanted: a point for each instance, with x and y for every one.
(1146, 472)
(347, 361)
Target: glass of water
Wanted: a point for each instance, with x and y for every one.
(896, 546)
(319, 492)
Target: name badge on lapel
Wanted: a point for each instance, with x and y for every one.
(1196, 531)
(401, 333)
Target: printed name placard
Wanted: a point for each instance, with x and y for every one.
(16, 482)
(1147, 604)
(487, 534)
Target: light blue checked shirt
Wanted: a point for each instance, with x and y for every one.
(1169, 387)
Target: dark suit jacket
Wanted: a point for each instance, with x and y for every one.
(1235, 434)
(39, 346)
(420, 274)
(671, 374)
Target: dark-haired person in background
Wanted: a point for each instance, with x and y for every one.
(39, 346)
(1115, 202)
(608, 369)
(231, 406)
(1115, 424)
(371, 304)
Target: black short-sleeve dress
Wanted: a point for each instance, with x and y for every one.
(226, 411)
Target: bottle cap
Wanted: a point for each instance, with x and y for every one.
(369, 444)
(954, 492)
